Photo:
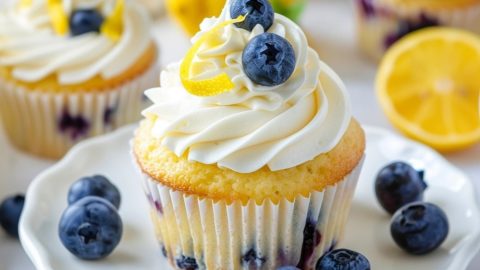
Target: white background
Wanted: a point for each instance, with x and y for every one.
(330, 26)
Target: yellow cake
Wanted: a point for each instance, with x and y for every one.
(60, 82)
(195, 178)
(381, 23)
(246, 168)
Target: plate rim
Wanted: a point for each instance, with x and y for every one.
(28, 240)
(40, 259)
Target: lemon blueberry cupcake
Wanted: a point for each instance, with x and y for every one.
(381, 23)
(249, 155)
(70, 70)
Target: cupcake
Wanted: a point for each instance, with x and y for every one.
(381, 23)
(70, 70)
(249, 155)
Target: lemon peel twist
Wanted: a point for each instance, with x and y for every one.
(113, 25)
(58, 16)
(209, 87)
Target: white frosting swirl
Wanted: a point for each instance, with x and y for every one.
(30, 46)
(252, 125)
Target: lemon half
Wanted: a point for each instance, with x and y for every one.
(428, 84)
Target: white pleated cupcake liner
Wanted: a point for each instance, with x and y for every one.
(199, 233)
(48, 123)
(385, 19)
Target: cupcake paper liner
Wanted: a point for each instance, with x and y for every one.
(380, 24)
(199, 233)
(48, 124)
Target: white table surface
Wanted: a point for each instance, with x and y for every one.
(330, 26)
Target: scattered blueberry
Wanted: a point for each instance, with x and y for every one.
(91, 228)
(406, 27)
(10, 212)
(96, 185)
(85, 21)
(419, 228)
(288, 268)
(269, 59)
(311, 239)
(252, 259)
(257, 11)
(399, 184)
(187, 263)
(343, 259)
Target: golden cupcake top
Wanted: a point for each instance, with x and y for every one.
(222, 184)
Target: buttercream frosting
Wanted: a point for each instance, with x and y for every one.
(251, 126)
(30, 46)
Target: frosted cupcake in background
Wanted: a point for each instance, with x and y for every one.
(249, 155)
(381, 23)
(70, 70)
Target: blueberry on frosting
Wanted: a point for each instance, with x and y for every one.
(269, 59)
(256, 12)
(85, 21)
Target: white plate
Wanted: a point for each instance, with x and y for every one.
(367, 231)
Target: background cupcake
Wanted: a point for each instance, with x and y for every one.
(70, 70)
(245, 169)
(382, 22)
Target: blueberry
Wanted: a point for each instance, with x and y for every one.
(399, 184)
(73, 126)
(343, 259)
(91, 228)
(406, 27)
(288, 268)
(10, 212)
(311, 239)
(419, 228)
(251, 259)
(85, 21)
(96, 185)
(187, 263)
(257, 11)
(268, 59)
